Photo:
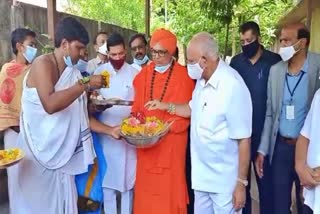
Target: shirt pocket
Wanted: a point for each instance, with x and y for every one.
(212, 125)
(128, 91)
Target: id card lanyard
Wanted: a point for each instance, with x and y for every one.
(290, 108)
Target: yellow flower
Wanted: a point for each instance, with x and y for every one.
(106, 76)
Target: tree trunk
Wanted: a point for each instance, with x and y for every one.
(234, 42)
(226, 40)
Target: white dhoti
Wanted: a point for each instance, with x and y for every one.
(10, 138)
(57, 147)
(110, 201)
(213, 203)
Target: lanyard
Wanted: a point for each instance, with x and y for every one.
(295, 87)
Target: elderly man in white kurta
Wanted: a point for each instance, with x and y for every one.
(120, 157)
(308, 158)
(221, 112)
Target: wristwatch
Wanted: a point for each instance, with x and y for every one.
(243, 182)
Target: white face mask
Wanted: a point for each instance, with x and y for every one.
(195, 71)
(103, 49)
(287, 53)
(163, 68)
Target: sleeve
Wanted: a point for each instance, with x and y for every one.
(267, 128)
(239, 112)
(184, 96)
(306, 130)
(139, 91)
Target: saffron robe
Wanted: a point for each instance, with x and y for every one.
(160, 175)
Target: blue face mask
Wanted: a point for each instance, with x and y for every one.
(141, 61)
(163, 68)
(68, 61)
(82, 65)
(30, 53)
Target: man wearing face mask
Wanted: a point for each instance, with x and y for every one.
(121, 158)
(291, 86)
(220, 135)
(161, 182)
(11, 78)
(100, 45)
(253, 64)
(54, 127)
(138, 46)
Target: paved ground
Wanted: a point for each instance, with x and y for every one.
(4, 207)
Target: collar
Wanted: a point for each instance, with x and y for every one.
(215, 77)
(303, 69)
(98, 60)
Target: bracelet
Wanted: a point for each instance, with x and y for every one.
(172, 109)
(84, 83)
(243, 182)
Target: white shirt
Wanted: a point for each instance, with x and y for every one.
(311, 131)
(93, 64)
(136, 66)
(221, 114)
(120, 158)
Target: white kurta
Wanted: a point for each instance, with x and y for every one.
(311, 131)
(57, 147)
(136, 66)
(120, 157)
(221, 114)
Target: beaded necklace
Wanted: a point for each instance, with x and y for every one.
(165, 85)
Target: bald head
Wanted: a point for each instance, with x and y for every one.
(292, 33)
(205, 44)
(203, 49)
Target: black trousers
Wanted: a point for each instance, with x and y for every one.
(264, 184)
(283, 178)
(307, 210)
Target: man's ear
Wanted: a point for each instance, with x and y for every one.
(20, 48)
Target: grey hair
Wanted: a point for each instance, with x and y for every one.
(208, 44)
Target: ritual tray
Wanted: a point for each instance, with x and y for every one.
(116, 102)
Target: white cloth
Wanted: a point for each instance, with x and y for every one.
(110, 201)
(10, 138)
(57, 147)
(93, 64)
(136, 66)
(221, 112)
(120, 157)
(213, 203)
(311, 131)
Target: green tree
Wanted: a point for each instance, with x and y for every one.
(125, 13)
(187, 17)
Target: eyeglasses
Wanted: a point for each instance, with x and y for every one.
(139, 47)
(160, 53)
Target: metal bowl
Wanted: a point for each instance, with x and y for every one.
(142, 142)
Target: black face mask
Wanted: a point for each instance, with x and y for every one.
(251, 49)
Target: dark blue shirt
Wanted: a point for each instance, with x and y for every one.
(256, 78)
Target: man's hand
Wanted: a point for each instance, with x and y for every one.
(309, 178)
(97, 81)
(156, 104)
(115, 132)
(92, 108)
(239, 197)
(259, 164)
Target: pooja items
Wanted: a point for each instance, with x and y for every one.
(143, 132)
